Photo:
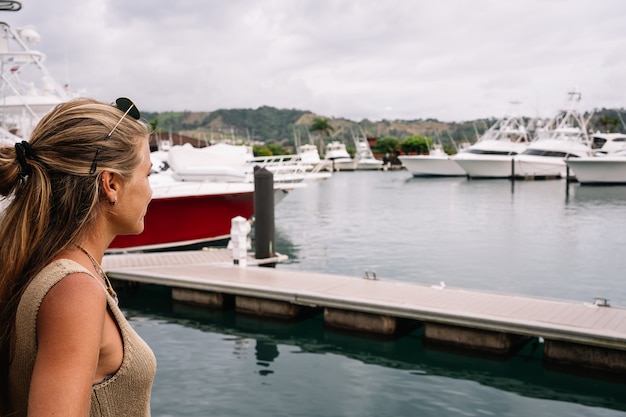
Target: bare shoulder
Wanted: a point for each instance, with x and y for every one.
(76, 297)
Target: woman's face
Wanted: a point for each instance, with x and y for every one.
(134, 197)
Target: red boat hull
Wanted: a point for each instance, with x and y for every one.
(187, 220)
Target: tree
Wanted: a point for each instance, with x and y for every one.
(276, 149)
(323, 128)
(608, 124)
(261, 151)
(419, 144)
(388, 145)
(154, 126)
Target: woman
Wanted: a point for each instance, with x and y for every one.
(65, 348)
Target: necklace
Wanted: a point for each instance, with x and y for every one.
(101, 273)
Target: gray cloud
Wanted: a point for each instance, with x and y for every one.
(449, 59)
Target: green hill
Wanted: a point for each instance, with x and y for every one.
(281, 126)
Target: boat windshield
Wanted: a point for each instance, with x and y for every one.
(553, 154)
(490, 152)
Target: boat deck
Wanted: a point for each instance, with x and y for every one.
(587, 323)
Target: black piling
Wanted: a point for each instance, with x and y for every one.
(512, 169)
(567, 181)
(264, 214)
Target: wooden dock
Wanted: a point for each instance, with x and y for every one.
(585, 334)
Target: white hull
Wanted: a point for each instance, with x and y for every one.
(492, 158)
(599, 170)
(338, 158)
(540, 167)
(431, 166)
(364, 158)
(343, 164)
(537, 162)
(369, 165)
(493, 166)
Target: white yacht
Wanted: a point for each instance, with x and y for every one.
(607, 166)
(309, 154)
(492, 154)
(365, 160)
(436, 164)
(339, 158)
(315, 167)
(607, 143)
(565, 136)
(27, 90)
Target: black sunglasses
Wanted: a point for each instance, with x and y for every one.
(128, 107)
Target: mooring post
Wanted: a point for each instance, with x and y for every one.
(239, 240)
(567, 181)
(264, 214)
(513, 169)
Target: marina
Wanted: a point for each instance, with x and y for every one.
(391, 293)
(478, 237)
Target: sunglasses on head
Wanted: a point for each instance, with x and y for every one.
(128, 107)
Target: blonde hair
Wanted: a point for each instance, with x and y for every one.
(51, 197)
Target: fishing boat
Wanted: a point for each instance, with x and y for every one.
(600, 170)
(607, 143)
(189, 213)
(364, 157)
(607, 166)
(492, 154)
(437, 163)
(231, 163)
(338, 157)
(27, 90)
(308, 154)
(564, 137)
(316, 168)
(198, 191)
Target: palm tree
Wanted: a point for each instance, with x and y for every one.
(323, 128)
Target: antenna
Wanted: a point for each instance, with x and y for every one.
(574, 95)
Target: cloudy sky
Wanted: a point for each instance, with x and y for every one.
(452, 60)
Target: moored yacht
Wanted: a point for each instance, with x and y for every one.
(309, 154)
(607, 143)
(365, 160)
(436, 164)
(315, 167)
(607, 166)
(338, 157)
(196, 193)
(27, 90)
(491, 155)
(565, 136)
(600, 169)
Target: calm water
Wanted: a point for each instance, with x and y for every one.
(531, 238)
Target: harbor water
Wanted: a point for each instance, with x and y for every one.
(538, 238)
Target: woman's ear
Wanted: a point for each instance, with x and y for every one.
(110, 186)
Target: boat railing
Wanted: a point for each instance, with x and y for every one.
(286, 168)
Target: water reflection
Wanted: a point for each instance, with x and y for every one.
(522, 374)
(598, 195)
(266, 351)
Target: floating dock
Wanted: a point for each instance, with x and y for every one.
(585, 335)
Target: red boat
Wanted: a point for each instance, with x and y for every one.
(185, 213)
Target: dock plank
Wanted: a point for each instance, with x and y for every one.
(561, 320)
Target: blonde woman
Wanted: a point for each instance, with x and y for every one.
(65, 347)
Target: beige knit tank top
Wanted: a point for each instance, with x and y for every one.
(126, 393)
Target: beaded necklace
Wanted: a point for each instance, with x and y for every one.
(101, 273)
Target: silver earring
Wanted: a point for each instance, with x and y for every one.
(113, 202)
